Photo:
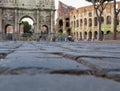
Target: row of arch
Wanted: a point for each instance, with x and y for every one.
(89, 21)
(9, 28)
(88, 35)
(67, 22)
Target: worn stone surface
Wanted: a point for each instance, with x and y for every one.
(59, 66)
(46, 82)
(105, 64)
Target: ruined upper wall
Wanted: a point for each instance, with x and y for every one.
(43, 4)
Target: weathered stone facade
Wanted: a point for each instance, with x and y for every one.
(84, 24)
(13, 11)
(63, 18)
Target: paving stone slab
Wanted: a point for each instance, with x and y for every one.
(46, 64)
(99, 47)
(75, 55)
(32, 54)
(46, 82)
(105, 64)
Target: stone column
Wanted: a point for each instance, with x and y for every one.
(112, 20)
(0, 24)
(93, 27)
(0, 20)
(64, 26)
(16, 30)
(52, 21)
(37, 31)
(16, 22)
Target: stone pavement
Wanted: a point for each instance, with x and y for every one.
(59, 66)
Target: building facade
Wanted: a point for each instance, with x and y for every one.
(13, 11)
(63, 18)
(84, 24)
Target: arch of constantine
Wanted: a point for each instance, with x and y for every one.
(13, 11)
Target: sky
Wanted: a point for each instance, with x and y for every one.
(74, 3)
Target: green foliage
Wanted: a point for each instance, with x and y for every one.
(27, 26)
(60, 33)
(118, 27)
(105, 28)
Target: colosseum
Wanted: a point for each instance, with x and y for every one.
(84, 25)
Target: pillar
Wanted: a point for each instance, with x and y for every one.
(52, 21)
(37, 22)
(0, 24)
(16, 30)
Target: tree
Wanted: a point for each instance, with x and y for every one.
(27, 26)
(99, 6)
(116, 12)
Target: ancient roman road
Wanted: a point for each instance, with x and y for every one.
(59, 66)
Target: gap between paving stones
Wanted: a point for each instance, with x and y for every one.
(94, 70)
(24, 70)
(37, 70)
(97, 72)
(3, 55)
(90, 72)
(101, 72)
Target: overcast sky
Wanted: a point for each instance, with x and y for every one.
(74, 3)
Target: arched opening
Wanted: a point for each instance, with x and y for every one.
(67, 22)
(108, 19)
(95, 21)
(80, 35)
(45, 29)
(8, 31)
(74, 22)
(85, 21)
(102, 19)
(95, 34)
(108, 32)
(44, 32)
(90, 35)
(69, 32)
(26, 25)
(90, 22)
(85, 35)
(60, 22)
(26, 28)
(102, 34)
(81, 22)
(77, 23)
